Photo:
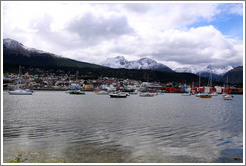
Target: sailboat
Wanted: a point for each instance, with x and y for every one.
(199, 94)
(207, 95)
(225, 95)
(20, 91)
(76, 90)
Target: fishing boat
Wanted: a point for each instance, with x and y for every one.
(76, 92)
(205, 96)
(118, 95)
(146, 94)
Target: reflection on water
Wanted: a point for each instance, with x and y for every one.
(170, 128)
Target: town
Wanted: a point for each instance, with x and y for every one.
(73, 82)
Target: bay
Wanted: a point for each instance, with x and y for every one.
(53, 126)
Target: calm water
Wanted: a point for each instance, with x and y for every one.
(58, 127)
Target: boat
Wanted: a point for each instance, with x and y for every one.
(134, 92)
(76, 92)
(20, 91)
(146, 94)
(214, 94)
(118, 95)
(228, 97)
(102, 93)
(198, 94)
(29, 90)
(225, 95)
(205, 96)
(186, 94)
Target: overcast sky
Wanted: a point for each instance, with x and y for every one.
(175, 34)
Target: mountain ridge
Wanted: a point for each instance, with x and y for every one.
(196, 69)
(143, 63)
(15, 54)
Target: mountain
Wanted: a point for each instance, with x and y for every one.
(36, 61)
(196, 69)
(15, 54)
(143, 63)
(235, 76)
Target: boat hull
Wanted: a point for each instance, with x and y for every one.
(118, 95)
(205, 96)
(228, 97)
(76, 93)
(20, 93)
(146, 95)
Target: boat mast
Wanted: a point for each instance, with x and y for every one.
(19, 77)
(199, 82)
(227, 83)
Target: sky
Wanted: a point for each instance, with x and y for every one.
(176, 34)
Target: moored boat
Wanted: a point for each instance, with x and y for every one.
(76, 92)
(186, 94)
(19, 92)
(198, 94)
(228, 97)
(102, 93)
(225, 95)
(205, 96)
(146, 94)
(118, 95)
(214, 94)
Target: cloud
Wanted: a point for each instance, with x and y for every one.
(92, 32)
(137, 7)
(201, 45)
(93, 29)
(236, 8)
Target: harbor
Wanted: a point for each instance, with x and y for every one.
(53, 126)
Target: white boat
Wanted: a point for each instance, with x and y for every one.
(134, 92)
(186, 94)
(146, 94)
(198, 94)
(214, 94)
(19, 92)
(29, 90)
(225, 95)
(228, 97)
(102, 93)
(118, 95)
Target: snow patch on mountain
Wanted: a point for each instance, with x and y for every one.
(144, 63)
(117, 62)
(196, 69)
(14, 45)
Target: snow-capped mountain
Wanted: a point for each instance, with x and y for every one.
(143, 63)
(117, 62)
(195, 69)
(11, 44)
(15, 54)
